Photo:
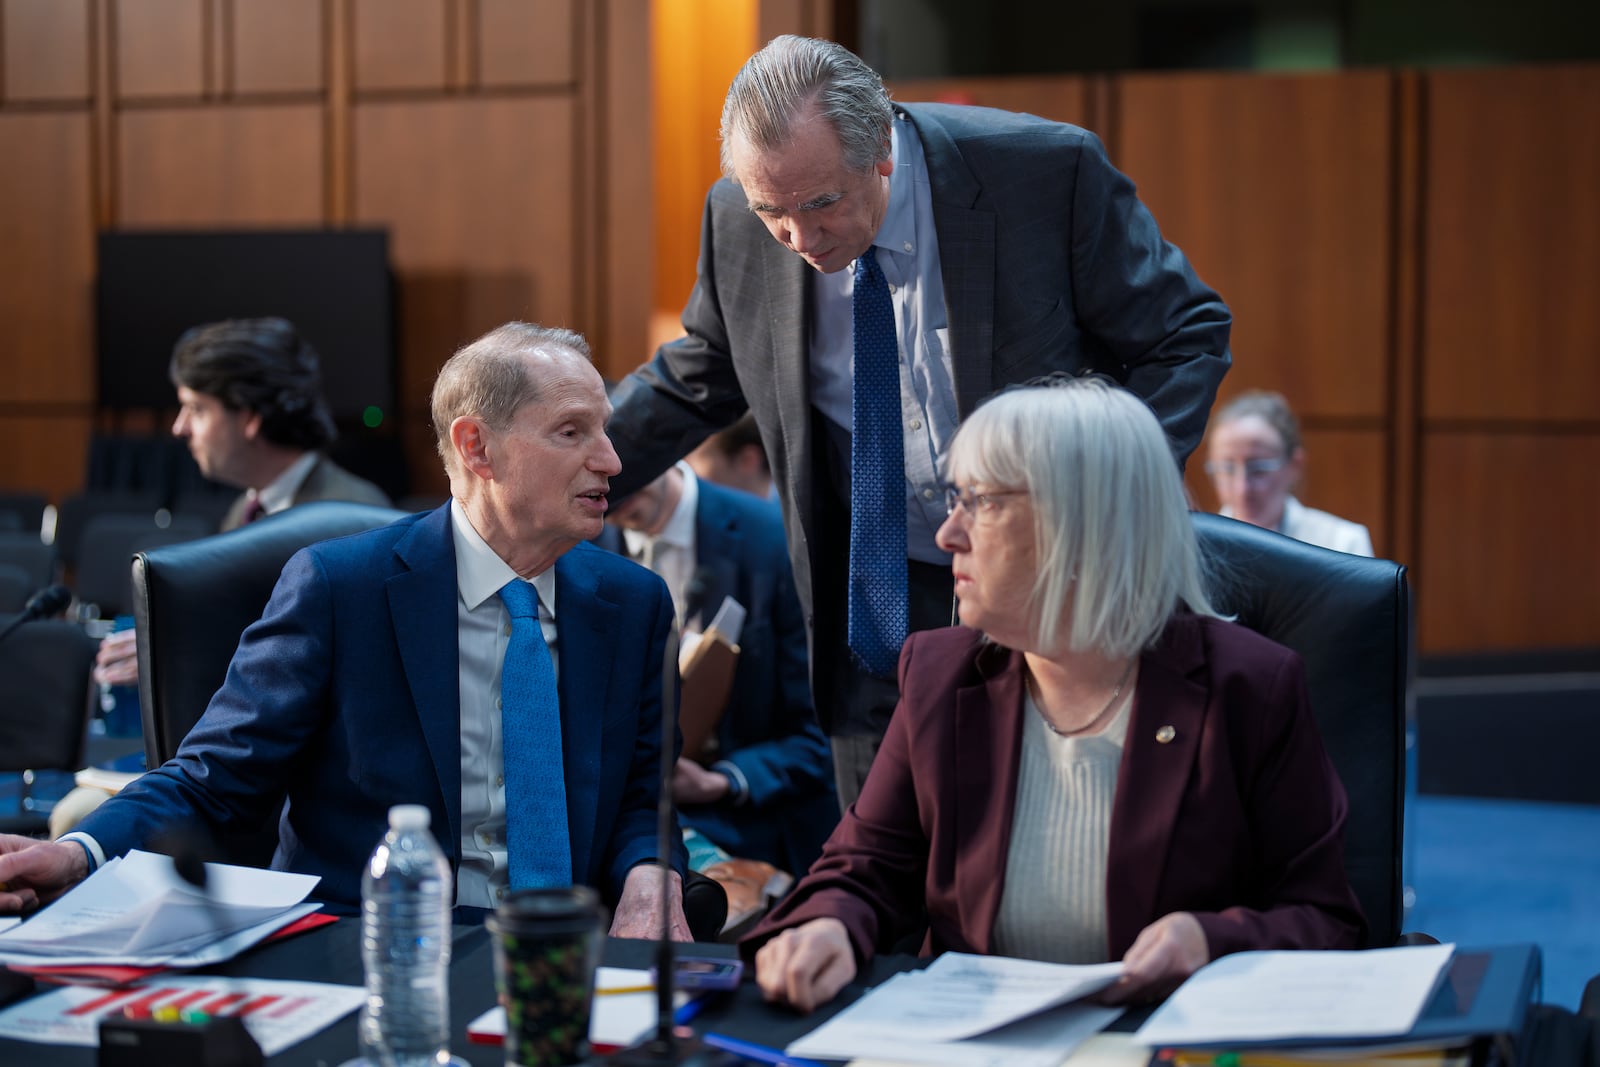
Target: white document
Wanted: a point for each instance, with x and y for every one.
(137, 911)
(1293, 996)
(966, 1009)
(617, 1019)
(278, 1014)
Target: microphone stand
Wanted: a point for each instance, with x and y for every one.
(665, 1047)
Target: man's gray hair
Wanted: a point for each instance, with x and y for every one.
(1271, 408)
(488, 379)
(1115, 548)
(789, 78)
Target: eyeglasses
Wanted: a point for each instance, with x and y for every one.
(973, 502)
(1252, 469)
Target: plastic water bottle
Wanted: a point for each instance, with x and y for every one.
(405, 946)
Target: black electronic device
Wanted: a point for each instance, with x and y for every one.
(334, 285)
(220, 1041)
(701, 974)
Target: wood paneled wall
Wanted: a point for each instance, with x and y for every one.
(503, 143)
(1411, 256)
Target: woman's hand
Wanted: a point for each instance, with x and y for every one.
(1161, 957)
(806, 965)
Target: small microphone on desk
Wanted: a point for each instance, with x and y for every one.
(666, 1047)
(49, 601)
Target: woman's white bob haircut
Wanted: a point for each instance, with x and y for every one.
(1116, 550)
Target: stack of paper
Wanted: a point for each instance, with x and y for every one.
(970, 1010)
(136, 911)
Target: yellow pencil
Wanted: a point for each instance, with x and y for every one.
(624, 989)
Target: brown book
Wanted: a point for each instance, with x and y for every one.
(707, 673)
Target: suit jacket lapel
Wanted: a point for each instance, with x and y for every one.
(422, 607)
(717, 537)
(989, 747)
(584, 618)
(785, 276)
(1153, 777)
(966, 259)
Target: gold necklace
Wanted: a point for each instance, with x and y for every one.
(1094, 722)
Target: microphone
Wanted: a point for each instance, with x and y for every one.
(49, 601)
(666, 1047)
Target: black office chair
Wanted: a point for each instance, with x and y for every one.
(22, 512)
(106, 550)
(76, 511)
(1349, 618)
(15, 588)
(45, 713)
(36, 559)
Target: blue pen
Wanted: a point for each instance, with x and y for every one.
(688, 1010)
(760, 1053)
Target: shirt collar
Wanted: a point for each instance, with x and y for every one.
(898, 231)
(278, 494)
(480, 573)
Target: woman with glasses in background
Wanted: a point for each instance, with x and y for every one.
(1255, 460)
(1094, 766)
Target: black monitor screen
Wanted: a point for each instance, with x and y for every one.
(334, 285)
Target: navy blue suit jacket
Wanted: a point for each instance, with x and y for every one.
(345, 697)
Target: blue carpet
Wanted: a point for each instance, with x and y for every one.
(1490, 872)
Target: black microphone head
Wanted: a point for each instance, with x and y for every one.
(51, 600)
(189, 847)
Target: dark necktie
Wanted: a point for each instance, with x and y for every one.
(253, 510)
(877, 625)
(538, 851)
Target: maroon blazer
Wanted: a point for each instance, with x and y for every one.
(1237, 817)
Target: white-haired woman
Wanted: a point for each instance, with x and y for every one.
(1093, 766)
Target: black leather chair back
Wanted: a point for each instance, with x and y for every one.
(44, 714)
(193, 600)
(107, 547)
(1349, 618)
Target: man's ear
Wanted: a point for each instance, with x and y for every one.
(252, 426)
(473, 442)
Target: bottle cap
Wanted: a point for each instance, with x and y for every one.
(409, 817)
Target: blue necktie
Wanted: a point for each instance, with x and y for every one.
(537, 850)
(877, 478)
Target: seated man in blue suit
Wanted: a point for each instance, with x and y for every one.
(769, 793)
(374, 676)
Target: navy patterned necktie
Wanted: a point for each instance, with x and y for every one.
(538, 851)
(877, 625)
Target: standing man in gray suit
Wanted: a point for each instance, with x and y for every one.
(955, 249)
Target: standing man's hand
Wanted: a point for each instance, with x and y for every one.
(34, 872)
(639, 907)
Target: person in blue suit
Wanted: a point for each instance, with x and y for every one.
(767, 793)
(373, 677)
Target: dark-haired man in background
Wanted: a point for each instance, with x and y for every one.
(252, 413)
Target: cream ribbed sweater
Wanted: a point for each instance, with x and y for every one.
(1053, 904)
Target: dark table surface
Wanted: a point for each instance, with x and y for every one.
(332, 954)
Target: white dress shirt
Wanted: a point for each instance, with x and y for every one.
(671, 553)
(483, 630)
